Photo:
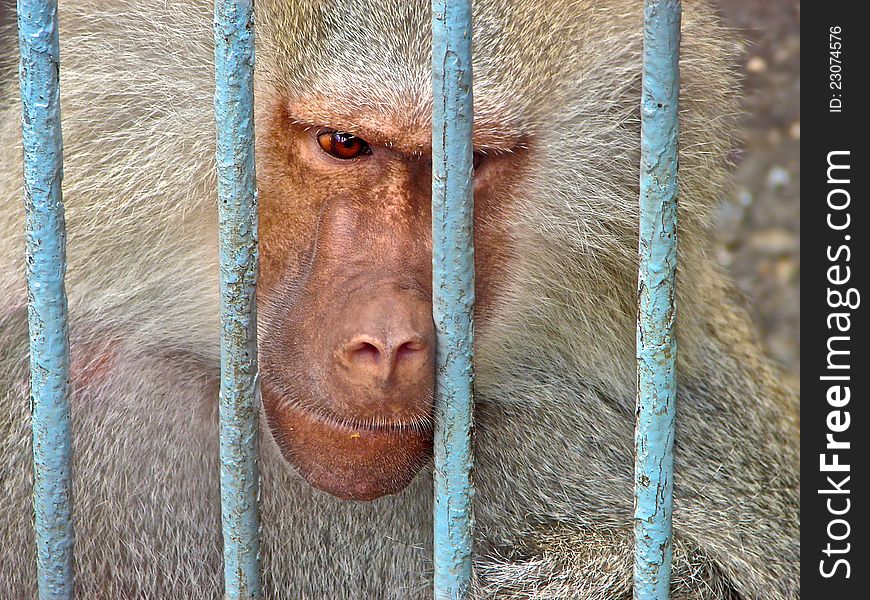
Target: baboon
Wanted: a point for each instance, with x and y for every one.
(343, 119)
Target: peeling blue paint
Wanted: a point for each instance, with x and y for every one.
(39, 71)
(452, 293)
(656, 343)
(237, 215)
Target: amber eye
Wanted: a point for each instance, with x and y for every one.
(342, 145)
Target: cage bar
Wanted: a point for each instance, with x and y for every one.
(656, 343)
(452, 293)
(237, 217)
(39, 71)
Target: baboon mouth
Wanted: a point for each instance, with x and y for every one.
(374, 425)
(351, 458)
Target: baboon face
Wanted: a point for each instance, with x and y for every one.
(347, 338)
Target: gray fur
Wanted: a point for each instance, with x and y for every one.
(555, 366)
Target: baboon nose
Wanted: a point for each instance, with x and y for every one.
(387, 341)
(398, 358)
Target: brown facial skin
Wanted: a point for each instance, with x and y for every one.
(347, 338)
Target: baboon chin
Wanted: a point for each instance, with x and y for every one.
(343, 102)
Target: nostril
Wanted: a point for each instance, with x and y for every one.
(363, 352)
(409, 350)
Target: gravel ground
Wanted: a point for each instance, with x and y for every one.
(757, 237)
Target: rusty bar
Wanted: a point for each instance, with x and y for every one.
(452, 293)
(237, 216)
(39, 74)
(656, 343)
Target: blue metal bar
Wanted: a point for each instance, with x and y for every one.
(452, 293)
(237, 215)
(47, 308)
(656, 343)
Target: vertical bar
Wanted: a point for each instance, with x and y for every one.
(39, 70)
(452, 293)
(656, 344)
(237, 216)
